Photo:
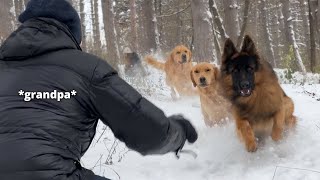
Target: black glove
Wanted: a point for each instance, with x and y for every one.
(190, 132)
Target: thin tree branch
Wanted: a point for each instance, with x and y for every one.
(168, 15)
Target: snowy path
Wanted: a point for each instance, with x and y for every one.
(220, 154)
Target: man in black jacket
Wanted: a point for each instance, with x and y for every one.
(45, 126)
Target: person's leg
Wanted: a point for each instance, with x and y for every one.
(99, 178)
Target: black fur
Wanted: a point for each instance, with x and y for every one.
(242, 69)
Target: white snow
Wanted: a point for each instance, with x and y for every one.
(221, 156)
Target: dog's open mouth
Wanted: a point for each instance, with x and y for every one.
(245, 92)
(203, 85)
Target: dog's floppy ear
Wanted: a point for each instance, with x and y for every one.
(190, 55)
(192, 79)
(248, 46)
(172, 53)
(216, 72)
(229, 50)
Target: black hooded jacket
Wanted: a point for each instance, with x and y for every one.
(45, 138)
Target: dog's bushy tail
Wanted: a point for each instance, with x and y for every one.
(153, 62)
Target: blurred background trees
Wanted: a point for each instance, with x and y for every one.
(287, 32)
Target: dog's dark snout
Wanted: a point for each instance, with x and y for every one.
(202, 79)
(184, 57)
(245, 84)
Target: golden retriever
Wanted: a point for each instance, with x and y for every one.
(215, 108)
(177, 68)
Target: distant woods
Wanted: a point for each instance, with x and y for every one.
(287, 33)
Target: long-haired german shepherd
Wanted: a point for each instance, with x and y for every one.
(259, 105)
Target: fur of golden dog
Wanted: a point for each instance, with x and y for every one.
(215, 108)
(177, 68)
(260, 106)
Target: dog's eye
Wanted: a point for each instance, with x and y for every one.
(185, 51)
(235, 70)
(178, 52)
(196, 71)
(207, 70)
(250, 69)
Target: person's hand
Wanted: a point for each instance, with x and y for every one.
(190, 132)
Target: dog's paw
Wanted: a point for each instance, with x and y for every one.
(276, 135)
(251, 146)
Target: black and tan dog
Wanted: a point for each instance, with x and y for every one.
(259, 104)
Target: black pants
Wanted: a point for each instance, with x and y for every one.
(99, 178)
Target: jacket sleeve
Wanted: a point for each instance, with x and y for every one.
(134, 120)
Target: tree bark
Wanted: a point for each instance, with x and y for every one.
(291, 34)
(203, 45)
(133, 26)
(146, 28)
(268, 52)
(218, 20)
(231, 19)
(7, 24)
(244, 23)
(83, 26)
(312, 29)
(19, 7)
(113, 55)
(96, 28)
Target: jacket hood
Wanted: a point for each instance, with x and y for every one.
(36, 37)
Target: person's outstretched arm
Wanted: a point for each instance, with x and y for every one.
(134, 120)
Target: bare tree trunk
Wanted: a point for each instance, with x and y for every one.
(318, 18)
(7, 24)
(218, 20)
(291, 34)
(19, 7)
(133, 26)
(113, 55)
(218, 48)
(231, 19)
(155, 24)
(312, 37)
(268, 50)
(306, 30)
(203, 45)
(83, 26)
(244, 23)
(96, 28)
(146, 32)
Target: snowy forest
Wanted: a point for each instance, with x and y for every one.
(286, 31)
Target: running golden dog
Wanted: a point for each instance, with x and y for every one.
(177, 68)
(215, 108)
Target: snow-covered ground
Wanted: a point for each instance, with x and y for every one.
(220, 154)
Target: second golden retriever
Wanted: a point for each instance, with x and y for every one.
(215, 108)
(177, 68)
